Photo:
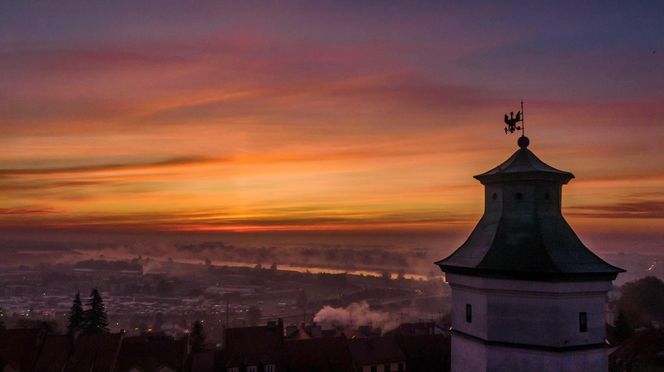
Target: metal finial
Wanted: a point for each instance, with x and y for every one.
(523, 121)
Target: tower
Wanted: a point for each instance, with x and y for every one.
(527, 295)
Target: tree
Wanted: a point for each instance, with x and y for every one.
(642, 302)
(254, 315)
(76, 315)
(197, 337)
(621, 327)
(95, 316)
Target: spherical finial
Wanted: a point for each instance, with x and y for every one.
(523, 142)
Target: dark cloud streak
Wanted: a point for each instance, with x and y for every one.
(185, 160)
(637, 209)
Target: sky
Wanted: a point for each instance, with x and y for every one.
(195, 116)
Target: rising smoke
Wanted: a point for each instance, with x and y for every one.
(355, 315)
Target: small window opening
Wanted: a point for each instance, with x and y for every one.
(547, 196)
(469, 313)
(519, 196)
(583, 322)
(494, 196)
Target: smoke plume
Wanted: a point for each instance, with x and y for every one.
(355, 315)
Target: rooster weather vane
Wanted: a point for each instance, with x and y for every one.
(512, 121)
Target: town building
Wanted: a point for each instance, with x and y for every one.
(37, 350)
(377, 354)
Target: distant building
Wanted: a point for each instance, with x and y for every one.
(53, 354)
(34, 350)
(94, 353)
(377, 354)
(642, 352)
(19, 348)
(426, 353)
(254, 349)
(328, 354)
(146, 353)
(412, 348)
(527, 295)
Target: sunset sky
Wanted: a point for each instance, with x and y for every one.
(197, 116)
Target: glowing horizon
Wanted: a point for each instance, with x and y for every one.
(227, 117)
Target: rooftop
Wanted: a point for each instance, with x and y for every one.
(525, 236)
(524, 164)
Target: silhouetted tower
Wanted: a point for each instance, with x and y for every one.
(527, 295)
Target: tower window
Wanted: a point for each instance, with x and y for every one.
(583, 322)
(518, 196)
(494, 196)
(469, 313)
(546, 196)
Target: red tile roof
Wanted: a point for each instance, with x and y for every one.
(375, 350)
(19, 347)
(54, 353)
(253, 346)
(319, 354)
(95, 353)
(151, 353)
(643, 348)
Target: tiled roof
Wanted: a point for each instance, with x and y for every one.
(54, 353)
(19, 347)
(320, 354)
(375, 350)
(645, 347)
(253, 345)
(95, 352)
(150, 353)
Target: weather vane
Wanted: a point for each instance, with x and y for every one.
(512, 121)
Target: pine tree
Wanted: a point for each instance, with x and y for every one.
(95, 315)
(76, 315)
(197, 338)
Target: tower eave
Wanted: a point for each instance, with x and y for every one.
(561, 177)
(531, 275)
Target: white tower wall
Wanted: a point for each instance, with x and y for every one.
(518, 325)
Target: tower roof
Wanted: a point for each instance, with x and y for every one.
(525, 238)
(522, 165)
